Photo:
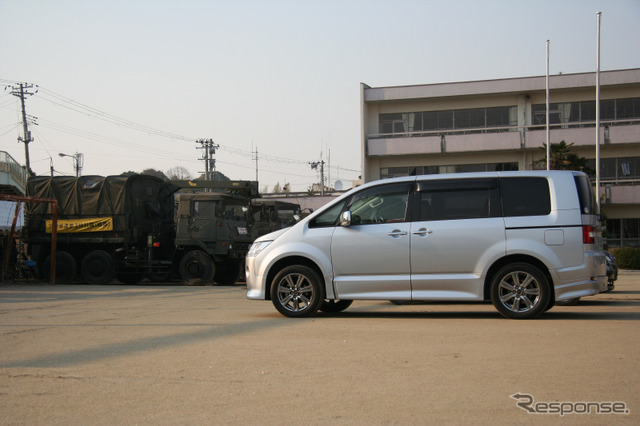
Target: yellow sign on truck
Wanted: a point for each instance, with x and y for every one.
(70, 226)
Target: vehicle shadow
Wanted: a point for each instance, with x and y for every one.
(582, 311)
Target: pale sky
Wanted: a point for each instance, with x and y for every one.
(133, 84)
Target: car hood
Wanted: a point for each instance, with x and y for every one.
(272, 235)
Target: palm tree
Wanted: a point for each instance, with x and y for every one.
(561, 158)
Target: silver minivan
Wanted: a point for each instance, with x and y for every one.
(522, 240)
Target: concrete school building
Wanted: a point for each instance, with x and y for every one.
(500, 125)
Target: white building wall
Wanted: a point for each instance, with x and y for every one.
(521, 143)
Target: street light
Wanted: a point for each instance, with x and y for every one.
(78, 160)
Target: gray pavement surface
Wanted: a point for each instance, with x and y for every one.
(159, 354)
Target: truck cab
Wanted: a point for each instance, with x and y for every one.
(218, 226)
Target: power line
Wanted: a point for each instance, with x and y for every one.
(81, 108)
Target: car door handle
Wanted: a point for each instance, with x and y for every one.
(396, 233)
(423, 231)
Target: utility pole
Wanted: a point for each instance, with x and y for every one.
(78, 162)
(208, 157)
(314, 166)
(21, 90)
(256, 159)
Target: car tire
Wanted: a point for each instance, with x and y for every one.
(197, 268)
(520, 291)
(330, 306)
(97, 268)
(297, 291)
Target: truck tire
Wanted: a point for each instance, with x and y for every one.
(227, 273)
(66, 268)
(197, 268)
(97, 268)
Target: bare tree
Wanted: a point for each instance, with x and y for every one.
(178, 173)
(154, 172)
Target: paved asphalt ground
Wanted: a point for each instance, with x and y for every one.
(158, 354)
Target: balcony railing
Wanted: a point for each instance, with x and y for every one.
(14, 170)
(536, 127)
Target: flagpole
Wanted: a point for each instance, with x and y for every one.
(599, 16)
(547, 113)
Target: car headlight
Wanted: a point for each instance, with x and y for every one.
(257, 247)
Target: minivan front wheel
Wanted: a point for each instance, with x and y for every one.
(520, 291)
(297, 291)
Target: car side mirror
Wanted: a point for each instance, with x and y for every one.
(345, 218)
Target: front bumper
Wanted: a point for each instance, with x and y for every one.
(256, 288)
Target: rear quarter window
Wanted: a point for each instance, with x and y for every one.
(588, 203)
(525, 196)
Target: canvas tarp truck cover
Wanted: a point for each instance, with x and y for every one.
(135, 205)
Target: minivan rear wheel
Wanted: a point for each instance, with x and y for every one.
(520, 291)
(297, 291)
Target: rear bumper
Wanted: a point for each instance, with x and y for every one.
(581, 289)
(583, 280)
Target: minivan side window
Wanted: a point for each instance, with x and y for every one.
(328, 218)
(380, 204)
(525, 196)
(458, 199)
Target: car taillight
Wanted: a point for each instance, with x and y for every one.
(588, 234)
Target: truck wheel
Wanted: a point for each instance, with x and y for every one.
(66, 267)
(97, 268)
(197, 268)
(227, 273)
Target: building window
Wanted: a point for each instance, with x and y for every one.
(433, 121)
(539, 114)
(437, 120)
(623, 233)
(621, 168)
(585, 111)
(393, 123)
(469, 118)
(502, 116)
(627, 108)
